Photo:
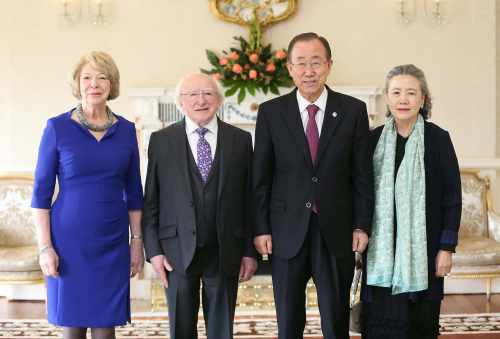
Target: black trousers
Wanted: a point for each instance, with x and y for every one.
(218, 297)
(332, 277)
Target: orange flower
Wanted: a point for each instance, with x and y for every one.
(216, 76)
(234, 56)
(254, 58)
(253, 74)
(223, 61)
(280, 54)
(270, 67)
(237, 68)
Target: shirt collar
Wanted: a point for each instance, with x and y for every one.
(320, 102)
(191, 126)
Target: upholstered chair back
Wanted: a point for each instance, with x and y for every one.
(474, 221)
(16, 221)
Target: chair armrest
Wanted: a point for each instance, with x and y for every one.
(494, 225)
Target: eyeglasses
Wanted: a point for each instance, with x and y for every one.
(208, 95)
(315, 65)
(97, 78)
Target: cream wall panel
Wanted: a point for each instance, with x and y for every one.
(155, 42)
(498, 77)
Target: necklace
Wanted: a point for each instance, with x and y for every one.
(91, 126)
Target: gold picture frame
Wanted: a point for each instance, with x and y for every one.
(242, 12)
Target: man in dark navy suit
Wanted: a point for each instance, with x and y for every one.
(314, 190)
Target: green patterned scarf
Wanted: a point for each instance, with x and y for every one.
(405, 270)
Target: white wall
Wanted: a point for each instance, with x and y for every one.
(155, 42)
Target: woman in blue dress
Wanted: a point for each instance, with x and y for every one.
(86, 253)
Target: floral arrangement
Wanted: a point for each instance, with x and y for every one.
(251, 67)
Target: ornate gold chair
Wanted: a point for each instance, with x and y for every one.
(478, 252)
(18, 246)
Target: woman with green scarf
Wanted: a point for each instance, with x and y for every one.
(416, 218)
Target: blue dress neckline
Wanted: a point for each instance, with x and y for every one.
(109, 132)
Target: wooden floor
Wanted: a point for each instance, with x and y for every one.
(452, 304)
(470, 303)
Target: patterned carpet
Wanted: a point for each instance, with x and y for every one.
(249, 326)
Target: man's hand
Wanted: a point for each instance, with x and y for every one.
(248, 267)
(443, 263)
(161, 266)
(136, 257)
(49, 262)
(359, 241)
(264, 244)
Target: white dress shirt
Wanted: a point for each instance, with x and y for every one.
(320, 102)
(210, 136)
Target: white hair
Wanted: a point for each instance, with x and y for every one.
(177, 92)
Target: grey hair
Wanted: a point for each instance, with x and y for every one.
(417, 73)
(177, 91)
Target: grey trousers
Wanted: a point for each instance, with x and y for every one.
(218, 298)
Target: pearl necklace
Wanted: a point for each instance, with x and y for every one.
(91, 126)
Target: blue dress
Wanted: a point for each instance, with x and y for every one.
(99, 182)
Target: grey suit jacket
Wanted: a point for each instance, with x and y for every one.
(169, 218)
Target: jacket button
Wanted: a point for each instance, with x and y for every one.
(314, 179)
(308, 204)
(194, 232)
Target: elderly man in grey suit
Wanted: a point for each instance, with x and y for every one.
(197, 218)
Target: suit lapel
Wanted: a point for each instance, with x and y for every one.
(180, 153)
(225, 140)
(291, 115)
(332, 118)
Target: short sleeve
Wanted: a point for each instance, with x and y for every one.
(46, 169)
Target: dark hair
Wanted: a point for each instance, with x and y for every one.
(308, 37)
(417, 73)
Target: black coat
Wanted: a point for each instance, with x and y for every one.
(286, 182)
(169, 220)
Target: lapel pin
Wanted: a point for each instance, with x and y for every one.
(334, 114)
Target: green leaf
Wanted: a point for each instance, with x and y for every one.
(242, 41)
(232, 90)
(251, 88)
(267, 50)
(204, 71)
(226, 83)
(288, 83)
(243, 59)
(265, 89)
(213, 58)
(241, 95)
(274, 89)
